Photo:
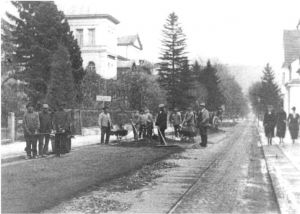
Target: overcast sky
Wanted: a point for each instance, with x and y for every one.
(232, 31)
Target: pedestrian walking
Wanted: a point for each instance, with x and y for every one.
(149, 123)
(61, 125)
(203, 124)
(269, 123)
(105, 125)
(293, 122)
(281, 119)
(176, 120)
(31, 125)
(161, 122)
(45, 129)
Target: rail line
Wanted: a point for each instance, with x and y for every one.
(221, 155)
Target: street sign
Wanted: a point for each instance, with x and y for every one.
(103, 98)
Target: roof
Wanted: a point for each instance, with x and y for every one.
(101, 16)
(130, 40)
(291, 41)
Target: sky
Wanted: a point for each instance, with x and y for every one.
(242, 32)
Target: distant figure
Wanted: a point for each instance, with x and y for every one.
(31, 125)
(269, 123)
(203, 123)
(149, 123)
(105, 125)
(45, 129)
(161, 122)
(143, 124)
(293, 121)
(176, 120)
(281, 124)
(135, 124)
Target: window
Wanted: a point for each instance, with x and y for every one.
(79, 36)
(92, 36)
(91, 67)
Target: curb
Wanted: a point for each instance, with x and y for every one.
(284, 201)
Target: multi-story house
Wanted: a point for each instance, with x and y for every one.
(291, 70)
(97, 38)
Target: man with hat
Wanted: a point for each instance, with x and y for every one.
(45, 129)
(31, 125)
(105, 125)
(161, 122)
(203, 123)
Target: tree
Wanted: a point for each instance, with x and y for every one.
(39, 29)
(255, 96)
(92, 85)
(270, 92)
(210, 79)
(234, 99)
(61, 87)
(172, 58)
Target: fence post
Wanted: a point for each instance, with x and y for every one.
(11, 126)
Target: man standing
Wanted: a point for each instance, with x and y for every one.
(203, 123)
(143, 125)
(105, 125)
(31, 125)
(175, 119)
(61, 124)
(45, 129)
(161, 122)
(135, 124)
(149, 123)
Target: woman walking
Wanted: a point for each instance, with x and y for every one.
(293, 121)
(281, 125)
(269, 124)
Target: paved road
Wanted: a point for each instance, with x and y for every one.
(229, 176)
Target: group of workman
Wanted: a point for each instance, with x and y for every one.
(40, 126)
(143, 123)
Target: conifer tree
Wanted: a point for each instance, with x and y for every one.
(39, 29)
(172, 59)
(211, 81)
(61, 87)
(270, 92)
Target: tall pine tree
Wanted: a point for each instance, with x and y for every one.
(40, 28)
(61, 87)
(172, 58)
(270, 92)
(211, 81)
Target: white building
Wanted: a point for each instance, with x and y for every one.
(291, 70)
(97, 38)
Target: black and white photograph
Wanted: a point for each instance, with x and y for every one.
(139, 106)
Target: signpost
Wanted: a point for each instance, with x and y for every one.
(103, 99)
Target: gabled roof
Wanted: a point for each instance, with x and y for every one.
(291, 41)
(130, 40)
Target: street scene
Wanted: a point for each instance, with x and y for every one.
(150, 107)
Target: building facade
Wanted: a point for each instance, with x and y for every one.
(96, 35)
(291, 70)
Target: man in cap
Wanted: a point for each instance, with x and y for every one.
(161, 122)
(105, 125)
(45, 129)
(31, 125)
(61, 124)
(203, 123)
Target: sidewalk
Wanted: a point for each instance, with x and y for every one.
(283, 163)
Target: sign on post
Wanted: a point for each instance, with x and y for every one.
(103, 98)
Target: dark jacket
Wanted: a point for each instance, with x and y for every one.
(61, 120)
(161, 120)
(45, 122)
